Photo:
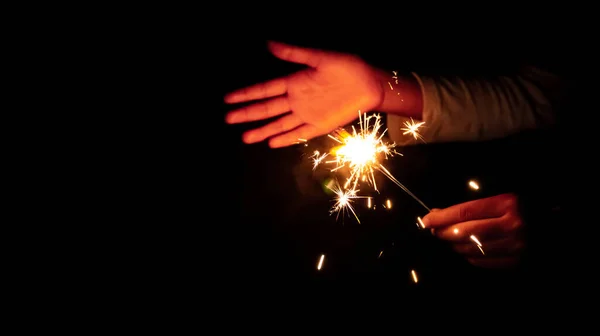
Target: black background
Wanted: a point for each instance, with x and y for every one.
(225, 218)
(283, 224)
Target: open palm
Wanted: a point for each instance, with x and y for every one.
(312, 102)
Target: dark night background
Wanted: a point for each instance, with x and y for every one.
(247, 220)
(282, 224)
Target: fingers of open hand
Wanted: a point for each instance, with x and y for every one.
(259, 111)
(272, 88)
(305, 131)
(296, 54)
(281, 125)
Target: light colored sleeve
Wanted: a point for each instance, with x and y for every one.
(456, 109)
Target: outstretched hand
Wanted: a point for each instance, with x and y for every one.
(494, 221)
(312, 102)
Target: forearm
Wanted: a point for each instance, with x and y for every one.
(402, 95)
(458, 109)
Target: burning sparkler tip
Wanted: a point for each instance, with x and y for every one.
(361, 151)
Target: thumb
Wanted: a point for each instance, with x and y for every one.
(431, 230)
(295, 54)
(426, 219)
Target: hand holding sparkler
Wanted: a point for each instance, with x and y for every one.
(493, 222)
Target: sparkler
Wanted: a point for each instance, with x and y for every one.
(317, 158)
(361, 152)
(412, 128)
(343, 200)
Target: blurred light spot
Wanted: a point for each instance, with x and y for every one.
(320, 265)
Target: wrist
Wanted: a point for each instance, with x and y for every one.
(401, 95)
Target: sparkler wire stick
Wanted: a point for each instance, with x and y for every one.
(393, 179)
